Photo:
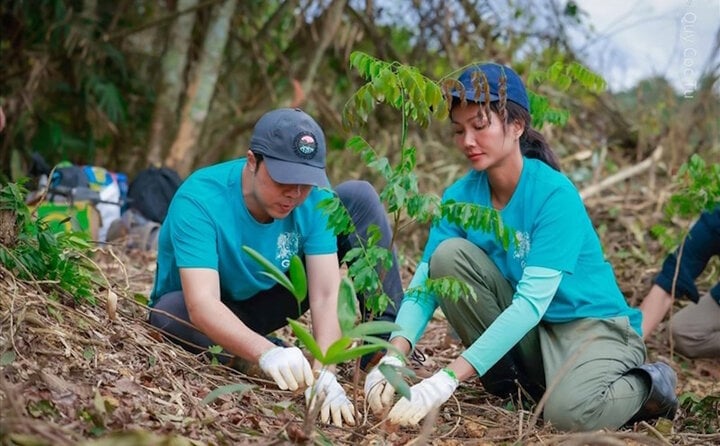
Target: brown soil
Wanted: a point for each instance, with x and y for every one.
(72, 375)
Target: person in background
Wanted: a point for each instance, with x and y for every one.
(696, 328)
(267, 201)
(549, 313)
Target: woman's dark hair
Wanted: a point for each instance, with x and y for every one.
(532, 142)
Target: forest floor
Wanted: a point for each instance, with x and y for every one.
(100, 375)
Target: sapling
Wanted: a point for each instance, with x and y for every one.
(356, 341)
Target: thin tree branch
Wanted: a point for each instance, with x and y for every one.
(330, 25)
(624, 174)
(385, 51)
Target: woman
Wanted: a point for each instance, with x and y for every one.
(549, 313)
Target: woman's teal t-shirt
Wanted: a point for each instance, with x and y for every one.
(553, 233)
(553, 230)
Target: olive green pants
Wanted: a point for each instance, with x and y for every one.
(585, 364)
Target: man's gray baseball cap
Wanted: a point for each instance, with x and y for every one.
(292, 145)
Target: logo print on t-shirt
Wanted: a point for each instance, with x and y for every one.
(522, 247)
(288, 244)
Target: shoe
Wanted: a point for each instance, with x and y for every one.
(504, 378)
(661, 400)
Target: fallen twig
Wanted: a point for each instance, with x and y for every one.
(624, 174)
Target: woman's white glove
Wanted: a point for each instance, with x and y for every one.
(288, 367)
(336, 402)
(424, 396)
(378, 391)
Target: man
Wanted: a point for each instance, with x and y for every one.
(696, 328)
(267, 201)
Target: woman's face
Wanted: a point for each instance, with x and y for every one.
(486, 143)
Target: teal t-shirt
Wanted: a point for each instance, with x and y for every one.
(208, 223)
(554, 233)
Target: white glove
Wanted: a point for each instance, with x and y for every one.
(424, 396)
(336, 402)
(378, 391)
(287, 366)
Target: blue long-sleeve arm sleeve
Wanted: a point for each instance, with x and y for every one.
(416, 309)
(533, 295)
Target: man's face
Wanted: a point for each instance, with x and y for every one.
(268, 199)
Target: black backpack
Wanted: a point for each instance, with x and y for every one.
(151, 191)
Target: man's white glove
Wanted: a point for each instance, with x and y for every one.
(424, 396)
(378, 391)
(336, 402)
(288, 367)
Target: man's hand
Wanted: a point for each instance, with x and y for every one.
(336, 402)
(424, 396)
(288, 367)
(378, 391)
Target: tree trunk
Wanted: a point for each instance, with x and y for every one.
(200, 89)
(173, 66)
(331, 25)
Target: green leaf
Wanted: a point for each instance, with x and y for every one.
(352, 353)
(215, 349)
(7, 358)
(281, 406)
(141, 298)
(357, 144)
(373, 327)
(298, 278)
(393, 375)
(390, 348)
(226, 390)
(306, 338)
(42, 408)
(339, 346)
(271, 270)
(89, 353)
(347, 313)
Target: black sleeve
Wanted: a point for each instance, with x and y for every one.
(702, 242)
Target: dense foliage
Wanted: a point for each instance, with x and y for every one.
(119, 84)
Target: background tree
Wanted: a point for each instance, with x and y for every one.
(200, 89)
(170, 84)
(114, 83)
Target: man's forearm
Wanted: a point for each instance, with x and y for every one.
(654, 307)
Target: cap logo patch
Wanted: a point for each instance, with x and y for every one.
(305, 145)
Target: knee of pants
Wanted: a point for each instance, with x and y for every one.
(565, 412)
(443, 260)
(685, 340)
(356, 190)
